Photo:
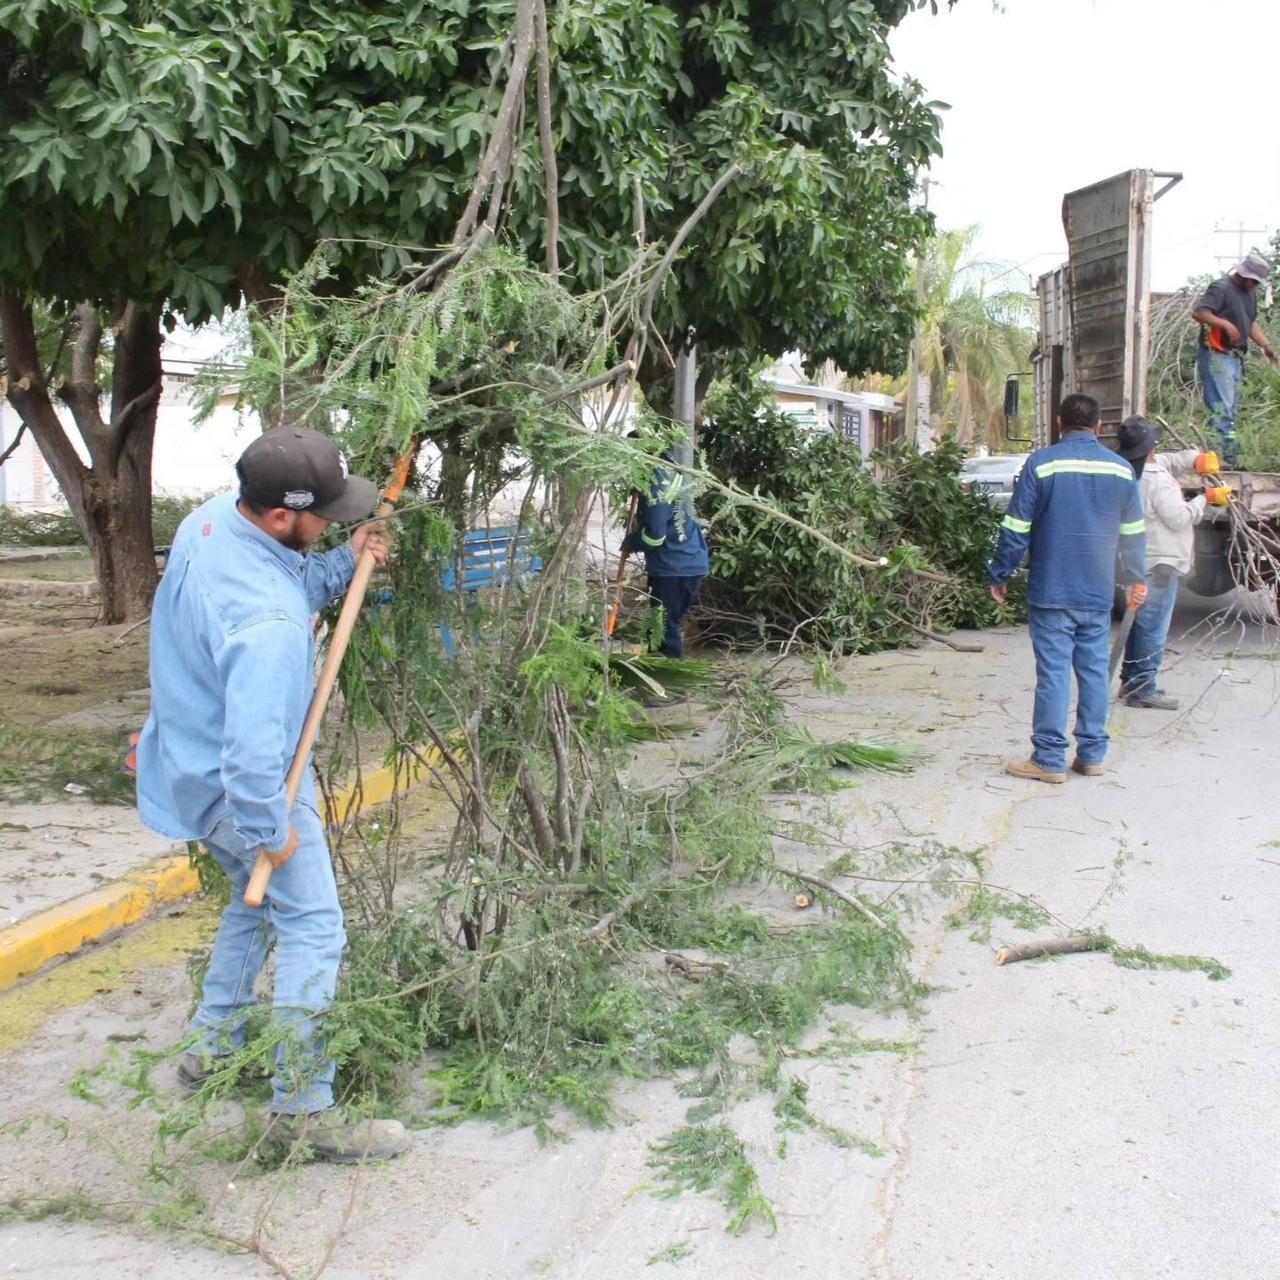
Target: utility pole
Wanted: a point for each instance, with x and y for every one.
(922, 440)
(685, 393)
(1239, 232)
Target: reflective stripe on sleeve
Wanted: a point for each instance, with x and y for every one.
(652, 542)
(1014, 525)
(672, 489)
(1135, 526)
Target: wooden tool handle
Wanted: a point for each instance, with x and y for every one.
(611, 623)
(256, 889)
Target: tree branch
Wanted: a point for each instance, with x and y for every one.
(550, 168)
(29, 394)
(81, 392)
(123, 422)
(504, 125)
(827, 887)
(731, 174)
(17, 440)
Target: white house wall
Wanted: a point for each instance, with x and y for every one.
(189, 459)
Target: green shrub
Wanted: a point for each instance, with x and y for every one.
(61, 529)
(38, 528)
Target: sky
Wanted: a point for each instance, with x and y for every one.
(1048, 96)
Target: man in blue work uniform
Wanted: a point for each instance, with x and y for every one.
(675, 551)
(232, 673)
(1075, 501)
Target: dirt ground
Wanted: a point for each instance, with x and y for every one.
(1065, 1119)
(56, 661)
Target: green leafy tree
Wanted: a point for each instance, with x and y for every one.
(178, 158)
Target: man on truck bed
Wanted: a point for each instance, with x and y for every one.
(1074, 502)
(1170, 521)
(1228, 312)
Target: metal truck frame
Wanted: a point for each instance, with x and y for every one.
(1095, 325)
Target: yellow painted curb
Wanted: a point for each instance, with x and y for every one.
(62, 930)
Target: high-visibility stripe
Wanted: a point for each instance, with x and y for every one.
(1084, 467)
(1135, 526)
(652, 542)
(1014, 525)
(671, 490)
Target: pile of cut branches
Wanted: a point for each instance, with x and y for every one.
(923, 541)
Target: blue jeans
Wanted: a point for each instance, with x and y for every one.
(1063, 640)
(1220, 374)
(303, 918)
(1144, 651)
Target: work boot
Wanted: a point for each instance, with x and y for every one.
(195, 1069)
(329, 1138)
(1029, 769)
(1156, 701)
(1086, 770)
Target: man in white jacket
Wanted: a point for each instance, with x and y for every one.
(1170, 520)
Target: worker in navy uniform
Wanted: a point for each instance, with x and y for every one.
(675, 550)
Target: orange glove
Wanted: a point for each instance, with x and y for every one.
(1137, 595)
(1220, 496)
(1208, 464)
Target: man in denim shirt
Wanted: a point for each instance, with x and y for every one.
(232, 673)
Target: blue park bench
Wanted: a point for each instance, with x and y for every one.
(488, 558)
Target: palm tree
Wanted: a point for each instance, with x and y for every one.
(974, 332)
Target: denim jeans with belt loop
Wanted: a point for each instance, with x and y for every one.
(1067, 640)
(303, 919)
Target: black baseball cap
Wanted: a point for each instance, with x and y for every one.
(303, 470)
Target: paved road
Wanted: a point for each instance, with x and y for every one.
(1067, 1120)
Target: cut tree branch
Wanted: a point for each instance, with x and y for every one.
(827, 887)
(1053, 947)
(550, 168)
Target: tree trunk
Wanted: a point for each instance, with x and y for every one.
(111, 497)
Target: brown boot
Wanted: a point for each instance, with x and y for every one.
(1029, 769)
(1087, 770)
(328, 1137)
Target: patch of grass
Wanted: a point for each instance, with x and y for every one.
(707, 1158)
(677, 1251)
(34, 765)
(69, 1206)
